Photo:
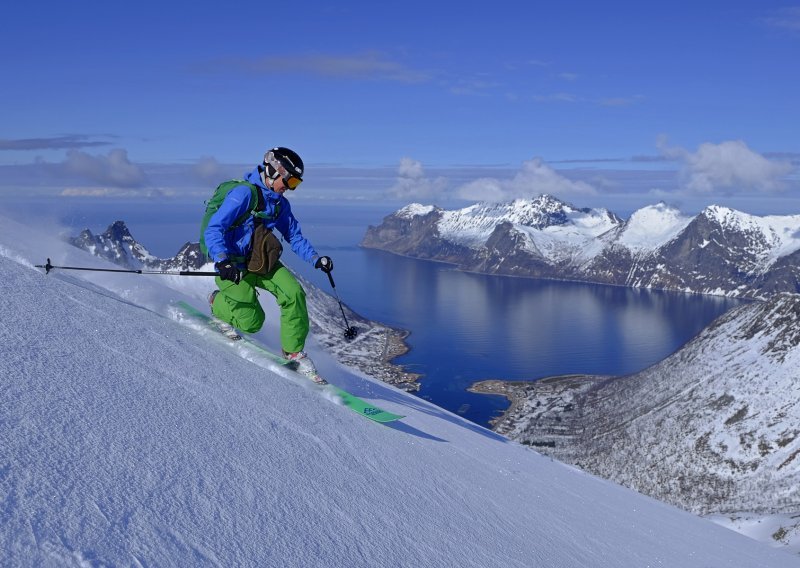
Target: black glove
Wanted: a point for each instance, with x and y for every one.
(228, 271)
(324, 263)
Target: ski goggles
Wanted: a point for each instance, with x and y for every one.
(291, 181)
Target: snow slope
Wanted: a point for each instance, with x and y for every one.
(653, 226)
(129, 439)
(547, 221)
(714, 428)
(778, 235)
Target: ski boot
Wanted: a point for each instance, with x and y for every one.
(224, 328)
(305, 366)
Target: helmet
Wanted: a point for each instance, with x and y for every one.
(280, 157)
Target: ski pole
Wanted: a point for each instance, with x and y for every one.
(48, 267)
(349, 331)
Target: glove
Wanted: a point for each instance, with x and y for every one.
(324, 263)
(228, 271)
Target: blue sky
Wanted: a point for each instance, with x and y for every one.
(614, 104)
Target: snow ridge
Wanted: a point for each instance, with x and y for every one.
(555, 220)
(652, 227)
(415, 210)
(774, 236)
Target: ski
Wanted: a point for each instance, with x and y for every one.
(190, 312)
(349, 400)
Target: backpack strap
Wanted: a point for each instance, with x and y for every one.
(260, 208)
(255, 197)
(260, 205)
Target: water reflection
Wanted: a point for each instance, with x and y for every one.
(468, 327)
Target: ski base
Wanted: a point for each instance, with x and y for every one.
(351, 401)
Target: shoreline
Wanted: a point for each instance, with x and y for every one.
(731, 295)
(395, 346)
(372, 352)
(519, 393)
(510, 390)
(374, 348)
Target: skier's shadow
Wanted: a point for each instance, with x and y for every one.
(401, 426)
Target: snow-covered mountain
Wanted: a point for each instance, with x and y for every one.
(719, 251)
(118, 245)
(128, 438)
(714, 428)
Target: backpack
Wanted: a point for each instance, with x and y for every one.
(213, 205)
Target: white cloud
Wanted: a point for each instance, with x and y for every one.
(535, 177)
(114, 192)
(411, 182)
(410, 169)
(52, 143)
(483, 189)
(207, 169)
(728, 167)
(92, 192)
(114, 170)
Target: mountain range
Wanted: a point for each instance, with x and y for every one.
(718, 251)
(117, 245)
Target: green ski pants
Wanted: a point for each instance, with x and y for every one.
(237, 304)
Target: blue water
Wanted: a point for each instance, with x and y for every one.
(464, 327)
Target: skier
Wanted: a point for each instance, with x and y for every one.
(234, 244)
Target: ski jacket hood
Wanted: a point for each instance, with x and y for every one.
(224, 241)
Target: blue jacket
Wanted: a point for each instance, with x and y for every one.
(224, 242)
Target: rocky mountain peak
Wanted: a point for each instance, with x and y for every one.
(118, 245)
(415, 210)
(118, 231)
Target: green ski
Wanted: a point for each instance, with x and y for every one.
(351, 401)
(362, 407)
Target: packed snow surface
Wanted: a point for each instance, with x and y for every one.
(130, 439)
